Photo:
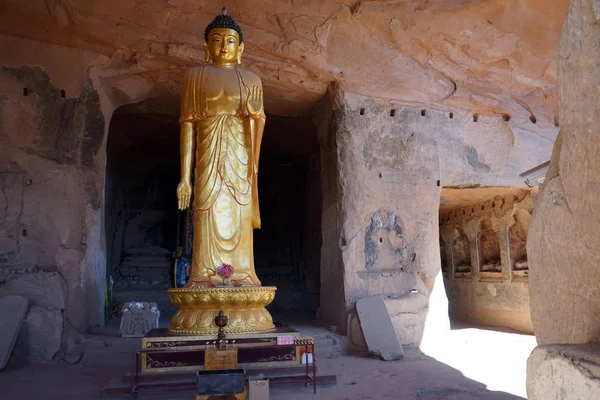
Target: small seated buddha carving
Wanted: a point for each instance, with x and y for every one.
(488, 247)
(462, 252)
(517, 237)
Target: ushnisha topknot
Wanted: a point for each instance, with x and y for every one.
(223, 21)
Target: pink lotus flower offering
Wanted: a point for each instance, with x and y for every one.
(225, 270)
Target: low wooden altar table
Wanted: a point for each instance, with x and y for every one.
(276, 354)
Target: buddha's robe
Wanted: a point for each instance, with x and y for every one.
(224, 188)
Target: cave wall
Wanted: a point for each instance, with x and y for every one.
(52, 127)
(385, 165)
(493, 298)
(564, 236)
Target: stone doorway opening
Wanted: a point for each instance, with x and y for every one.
(483, 239)
(141, 216)
(287, 248)
(142, 221)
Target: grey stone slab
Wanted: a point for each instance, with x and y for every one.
(378, 329)
(12, 312)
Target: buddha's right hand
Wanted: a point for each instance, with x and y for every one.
(184, 193)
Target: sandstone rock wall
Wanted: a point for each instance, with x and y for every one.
(52, 131)
(386, 170)
(564, 372)
(565, 229)
(492, 57)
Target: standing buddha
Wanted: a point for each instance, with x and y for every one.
(222, 121)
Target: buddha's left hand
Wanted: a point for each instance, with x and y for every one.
(254, 101)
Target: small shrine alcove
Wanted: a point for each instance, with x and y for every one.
(517, 240)
(461, 252)
(488, 247)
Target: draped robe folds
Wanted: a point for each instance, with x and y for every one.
(224, 187)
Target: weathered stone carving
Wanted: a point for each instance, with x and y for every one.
(384, 234)
(488, 248)
(461, 251)
(139, 318)
(517, 241)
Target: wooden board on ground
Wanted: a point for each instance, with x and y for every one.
(13, 310)
(378, 329)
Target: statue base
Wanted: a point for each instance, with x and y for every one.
(244, 306)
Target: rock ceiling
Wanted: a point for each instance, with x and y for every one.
(481, 56)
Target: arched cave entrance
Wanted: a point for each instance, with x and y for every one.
(142, 220)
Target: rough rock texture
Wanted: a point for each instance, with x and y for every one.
(43, 288)
(561, 372)
(386, 172)
(41, 334)
(495, 298)
(564, 235)
(486, 56)
(80, 61)
(12, 312)
(51, 186)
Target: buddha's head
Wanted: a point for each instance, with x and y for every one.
(223, 41)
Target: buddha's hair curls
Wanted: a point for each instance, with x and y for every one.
(223, 21)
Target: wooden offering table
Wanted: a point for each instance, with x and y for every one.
(279, 355)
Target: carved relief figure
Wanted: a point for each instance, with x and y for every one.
(517, 238)
(461, 249)
(488, 248)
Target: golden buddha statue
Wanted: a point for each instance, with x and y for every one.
(222, 121)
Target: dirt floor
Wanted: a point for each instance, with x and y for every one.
(470, 363)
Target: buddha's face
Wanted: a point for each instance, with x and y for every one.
(223, 46)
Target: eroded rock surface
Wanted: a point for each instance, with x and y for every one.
(485, 56)
(560, 372)
(564, 237)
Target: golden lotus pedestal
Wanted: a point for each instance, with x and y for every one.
(244, 306)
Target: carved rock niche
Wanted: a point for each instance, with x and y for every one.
(384, 242)
(517, 241)
(488, 248)
(461, 253)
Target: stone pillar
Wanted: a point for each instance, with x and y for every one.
(381, 192)
(564, 236)
(332, 308)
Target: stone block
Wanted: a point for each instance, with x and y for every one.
(139, 318)
(378, 329)
(258, 389)
(42, 288)
(41, 334)
(407, 314)
(12, 312)
(355, 332)
(564, 372)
